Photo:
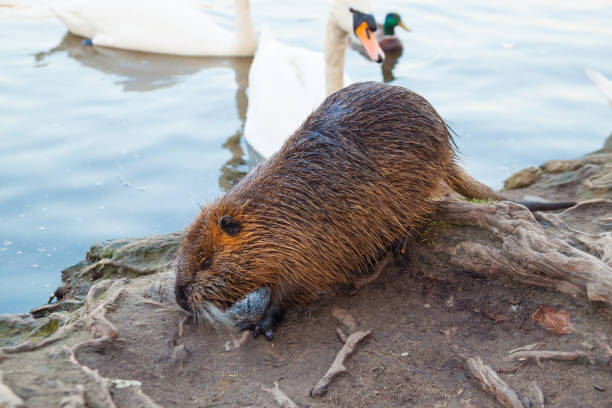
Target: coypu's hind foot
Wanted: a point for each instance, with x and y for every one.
(271, 317)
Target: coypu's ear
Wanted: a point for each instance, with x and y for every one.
(229, 225)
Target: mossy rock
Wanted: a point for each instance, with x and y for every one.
(522, 178)
(560, 166)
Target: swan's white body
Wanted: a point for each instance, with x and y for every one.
(603, 84)
(287, 83)
(159, 26)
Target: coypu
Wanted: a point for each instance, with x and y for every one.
(360, 173)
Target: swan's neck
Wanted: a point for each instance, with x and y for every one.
(246, 36)
(335, 43)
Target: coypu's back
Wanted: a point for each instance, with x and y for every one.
(358, 174)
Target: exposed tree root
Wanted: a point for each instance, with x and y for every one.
(31, 346)
(101, 386)
(596, 244)
(102, 330)
(280, 397)
(97, 270)
(8, 399)
(76, 399)
(538, 355)
(491, 382)
(504, 238)
(337, 366)
(62, 333)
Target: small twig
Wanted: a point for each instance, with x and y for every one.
(509, 370)
(337, 366)
(216, 397)
(181, 326)
(490, 381)
(527, 347)
(158, 304)
(341, 335)
(537, 355)
(179, 331)
(366, 280)
(280, 397)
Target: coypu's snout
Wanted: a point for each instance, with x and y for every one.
(181, 298)
(181, 285)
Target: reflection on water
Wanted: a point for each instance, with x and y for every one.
(144, 72)
(391, 59)
(235, 168)
(140, 71)
(388, 64)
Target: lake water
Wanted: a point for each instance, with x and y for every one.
(98, 144)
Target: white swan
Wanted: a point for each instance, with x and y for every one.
(159, 26)
(602, 83)
(286, 83)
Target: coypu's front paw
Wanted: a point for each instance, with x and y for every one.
(269, 319)
(257, 328)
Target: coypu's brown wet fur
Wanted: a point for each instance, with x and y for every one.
(358, 174)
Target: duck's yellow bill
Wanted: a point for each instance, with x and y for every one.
(366, 36)
(401, 24)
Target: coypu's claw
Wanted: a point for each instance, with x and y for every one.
(269, 319)
(399, 247)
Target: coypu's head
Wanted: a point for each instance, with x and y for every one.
(209, 268)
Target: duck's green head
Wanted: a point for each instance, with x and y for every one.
(393, 20)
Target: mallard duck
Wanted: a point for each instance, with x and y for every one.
(386, 37)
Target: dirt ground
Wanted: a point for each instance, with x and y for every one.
(406, 362)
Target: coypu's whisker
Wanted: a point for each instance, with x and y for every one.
(217, 315)
(204, 312)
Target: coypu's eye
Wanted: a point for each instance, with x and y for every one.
(205, 264)
(229, 225)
